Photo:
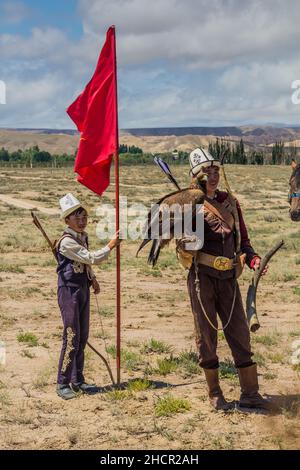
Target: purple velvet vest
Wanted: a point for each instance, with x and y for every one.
(67, 275)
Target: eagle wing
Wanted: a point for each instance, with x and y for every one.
(163, 234)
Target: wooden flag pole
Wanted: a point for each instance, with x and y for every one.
(118, 254)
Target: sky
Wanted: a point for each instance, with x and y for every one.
(180, 62)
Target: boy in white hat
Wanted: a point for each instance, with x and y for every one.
(75, 276)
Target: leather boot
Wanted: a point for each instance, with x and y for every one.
(215, 393)
(250, 398)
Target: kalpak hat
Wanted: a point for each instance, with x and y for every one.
(200, 158)
(68, 204)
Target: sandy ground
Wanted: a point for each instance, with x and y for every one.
(25, 204)
(155, 305)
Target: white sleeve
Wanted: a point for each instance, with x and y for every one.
(76, 252)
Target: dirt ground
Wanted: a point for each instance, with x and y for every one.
(163, 402)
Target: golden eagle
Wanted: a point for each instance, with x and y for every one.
(193, 195)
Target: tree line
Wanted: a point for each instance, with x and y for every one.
(33, 156)
(278, 154)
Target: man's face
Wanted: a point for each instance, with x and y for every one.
(77, 222)
(213, 177)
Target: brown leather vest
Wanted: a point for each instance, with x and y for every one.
(219, 238)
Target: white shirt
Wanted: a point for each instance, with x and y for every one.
(76, 252)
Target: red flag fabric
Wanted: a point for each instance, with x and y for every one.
(95, 115)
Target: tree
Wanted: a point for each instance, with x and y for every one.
(123, 148)
(4, 155)
(278, 153)
(16, 156)
(242, 153)
(134, 149)
(256, 158)
(218, 148)
(292, 155)
(42, 157)
(239, 154)
(30, 155)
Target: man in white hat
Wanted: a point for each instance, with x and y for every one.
(75, 276)
(213, 287)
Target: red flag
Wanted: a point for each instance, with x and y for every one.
(95, 115)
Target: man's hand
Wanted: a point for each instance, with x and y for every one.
(256, 266)
(96, 286)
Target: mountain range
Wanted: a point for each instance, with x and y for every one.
(163, 139)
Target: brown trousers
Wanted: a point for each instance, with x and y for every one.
(217, 296)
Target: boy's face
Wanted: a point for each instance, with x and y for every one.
(77, 222)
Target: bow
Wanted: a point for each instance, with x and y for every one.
(252, 289)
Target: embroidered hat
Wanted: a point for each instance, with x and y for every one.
(200, 158)
(68, 204)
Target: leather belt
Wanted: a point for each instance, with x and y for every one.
(221, 263)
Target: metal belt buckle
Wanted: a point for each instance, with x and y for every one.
(221, 263)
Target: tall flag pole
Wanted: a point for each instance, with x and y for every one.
(95, 113)
(118, 253)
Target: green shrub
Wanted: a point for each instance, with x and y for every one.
(156, 346)
(139, 385)
(170, 405)
(166, 366)
(28, 338)
(227, 369)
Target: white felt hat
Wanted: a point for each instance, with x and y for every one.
(68, 204)
(200, 158)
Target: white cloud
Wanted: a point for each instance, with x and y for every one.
(259, 78)
(47, 43)
(13, 11)
(35, 102)
(200, 33)
(180, 63)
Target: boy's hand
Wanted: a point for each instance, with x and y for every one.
(115, 241)
(96, 286)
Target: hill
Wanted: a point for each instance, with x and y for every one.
(58, 141)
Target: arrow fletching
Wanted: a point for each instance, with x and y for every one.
(165, 168)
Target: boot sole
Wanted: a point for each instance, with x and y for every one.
(66, 397)
(254, 407)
